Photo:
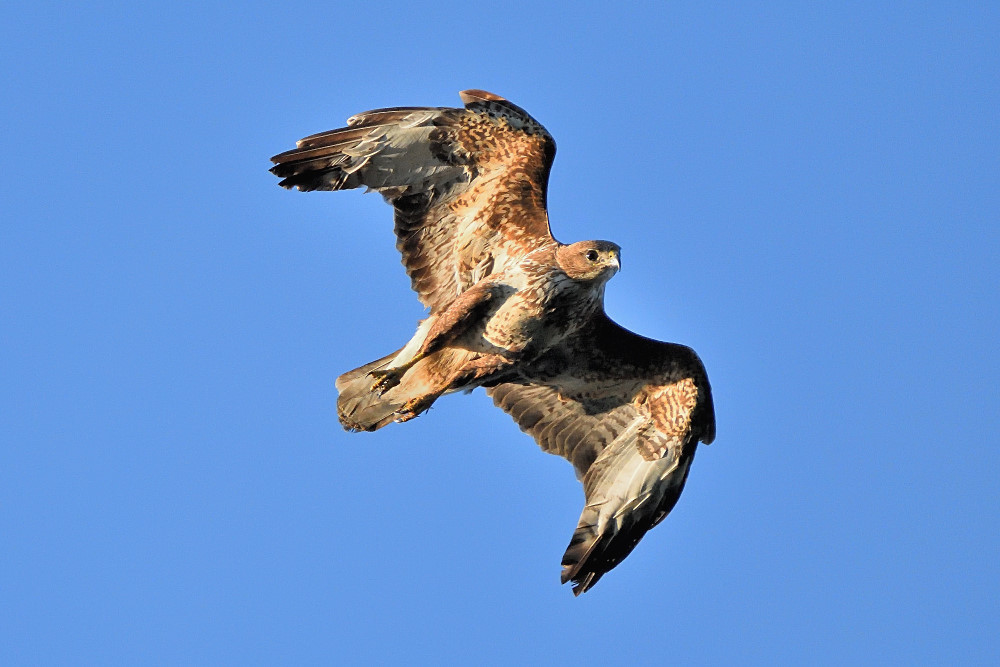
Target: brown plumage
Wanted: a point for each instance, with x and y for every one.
(515, 311)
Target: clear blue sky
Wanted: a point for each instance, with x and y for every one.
(807, 195)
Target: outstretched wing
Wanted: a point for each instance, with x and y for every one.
(468, 185)
(628, 413)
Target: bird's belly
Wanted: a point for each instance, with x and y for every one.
(513, 327)
(528, 324)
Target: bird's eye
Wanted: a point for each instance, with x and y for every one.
(591, 255)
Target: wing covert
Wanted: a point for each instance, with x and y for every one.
(468, 185)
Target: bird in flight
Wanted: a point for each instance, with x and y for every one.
(516, 312)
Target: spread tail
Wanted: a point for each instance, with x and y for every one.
(395, 388)
(359, 407)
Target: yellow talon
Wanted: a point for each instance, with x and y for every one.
(413, 408)
(386, 380)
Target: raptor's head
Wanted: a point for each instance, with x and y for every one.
(590, 260)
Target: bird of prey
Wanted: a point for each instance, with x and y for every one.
(514, 311)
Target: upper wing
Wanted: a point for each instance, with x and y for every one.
(468, 185)
(628, 413)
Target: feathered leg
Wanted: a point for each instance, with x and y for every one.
(469, 374)
(401, 387)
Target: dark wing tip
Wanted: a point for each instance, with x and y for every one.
(582, 563)
(474, 95)
(582, 581)
(283, 170)
(590, 555)
(291, 180)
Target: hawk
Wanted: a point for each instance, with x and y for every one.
(513, 310)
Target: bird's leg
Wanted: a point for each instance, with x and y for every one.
(451, 322)
(415, 407)
(468, 374)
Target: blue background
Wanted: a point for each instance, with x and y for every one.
(807, 195)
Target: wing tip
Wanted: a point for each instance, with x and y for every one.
(579, 564)
(289, 180)
(582, 582)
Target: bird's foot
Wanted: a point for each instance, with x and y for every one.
(413, 408)
(386, 379)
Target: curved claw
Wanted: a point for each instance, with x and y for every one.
(386, 379)
(413, 408)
